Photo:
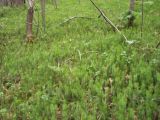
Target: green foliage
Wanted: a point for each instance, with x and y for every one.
(82, 67)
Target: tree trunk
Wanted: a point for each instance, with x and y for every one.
(12, 2)
(132, 2)
(4, 2)
(29, 23)
(131, 9)
(43, 14)
(55, 3)
(19, 2)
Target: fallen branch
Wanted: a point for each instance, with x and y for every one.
(74, 17)
(109, 21)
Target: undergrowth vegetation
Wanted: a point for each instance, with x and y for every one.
(81, 70)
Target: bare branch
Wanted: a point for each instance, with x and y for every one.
(72, 18)
(109, 21)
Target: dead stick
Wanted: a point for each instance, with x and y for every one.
(109, 21)
(74, 17)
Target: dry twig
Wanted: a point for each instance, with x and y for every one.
(72, 18)
(109, 21)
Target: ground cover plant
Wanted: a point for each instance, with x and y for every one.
(81, 69)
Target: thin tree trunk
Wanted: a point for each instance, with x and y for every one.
(4, 2)
(12, 2)
(19, 2)
(29, 23)
(132, 3)
(131, 9)
(43, 14)
(142, 7)
(55, 3)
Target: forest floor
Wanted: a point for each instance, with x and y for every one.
(82, 69)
